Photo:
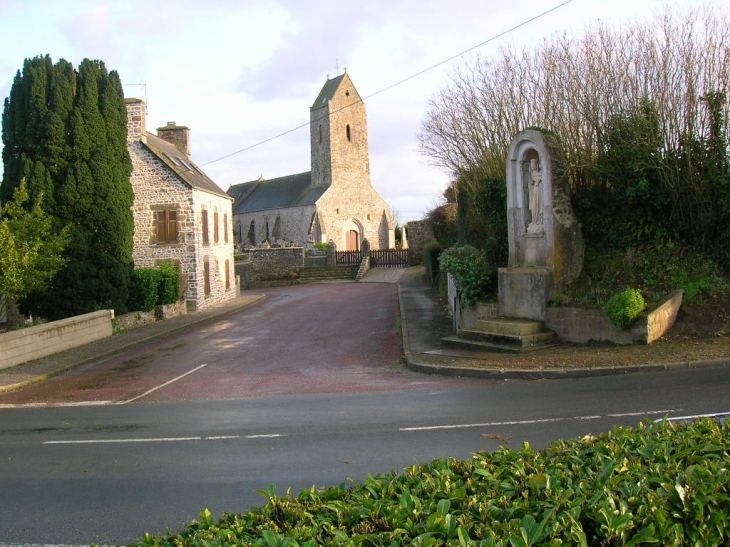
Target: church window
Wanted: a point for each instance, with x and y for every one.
(215, 227)
(349, 134)
(206, 237)
(166, 226)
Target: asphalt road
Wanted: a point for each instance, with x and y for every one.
(306, 388)
(107, 474)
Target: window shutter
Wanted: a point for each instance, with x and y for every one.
(160, 227)
(205, 227)
(225, 228)
(215, 227)
(171, 226)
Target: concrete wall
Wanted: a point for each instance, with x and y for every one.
(24, 345)
(266, 266)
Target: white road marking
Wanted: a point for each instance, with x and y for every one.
(54, 405)
(39, 545)
(532, 422)
(165, 440)
(161, 385)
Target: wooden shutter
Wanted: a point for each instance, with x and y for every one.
(161, 227)
(215, 227)
(228, 275)
(225, 228)
(171, 226)
(206, 238)
(206, 274)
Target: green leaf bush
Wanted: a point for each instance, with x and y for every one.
(431, 252)
(157, 286)
(169, 287)
(624, 307)
(144, 291)
(660, 484)
(470, 270)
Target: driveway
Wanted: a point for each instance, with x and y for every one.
(321, 338)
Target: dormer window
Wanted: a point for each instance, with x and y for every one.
(349, 134)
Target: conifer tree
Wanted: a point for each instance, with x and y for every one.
(64, 131)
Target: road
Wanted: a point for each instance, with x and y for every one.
(108, 473)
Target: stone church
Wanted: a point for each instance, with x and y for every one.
(335, 201)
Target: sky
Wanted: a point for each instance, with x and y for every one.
(241, 72)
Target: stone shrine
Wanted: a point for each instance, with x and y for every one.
(545, 240)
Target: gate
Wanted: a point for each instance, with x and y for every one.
(389, 258)
(348, 258)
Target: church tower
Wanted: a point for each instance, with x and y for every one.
(339, 136)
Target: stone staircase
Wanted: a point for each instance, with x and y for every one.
(504, 335)
(328, 274)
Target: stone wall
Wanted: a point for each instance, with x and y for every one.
(294, 225)
(418, 232)
(582, 325)
(20, 346)
(267, 266)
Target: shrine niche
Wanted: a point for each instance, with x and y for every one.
(545, 240)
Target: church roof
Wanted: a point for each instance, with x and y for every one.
(328, 92)
(278, 193)
(190, 173)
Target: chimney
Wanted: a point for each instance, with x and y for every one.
(136, 114)
(179, 135)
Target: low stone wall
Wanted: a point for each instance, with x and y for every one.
(134, 320)
(266, 266)
(168, 311)
(581, 325)
(20, 346)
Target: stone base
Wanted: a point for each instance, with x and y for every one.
(524, 292)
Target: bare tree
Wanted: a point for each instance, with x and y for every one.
(574, 85)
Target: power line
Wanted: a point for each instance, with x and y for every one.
(400, 82)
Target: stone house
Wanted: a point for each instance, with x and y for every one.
(180, 215)
(335, 201)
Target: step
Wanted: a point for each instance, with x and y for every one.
(510, 326)
(528, 340)
(454, 342)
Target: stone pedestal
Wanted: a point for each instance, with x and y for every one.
(524, 292)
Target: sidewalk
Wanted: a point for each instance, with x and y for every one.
(42, 369)
(424, 321)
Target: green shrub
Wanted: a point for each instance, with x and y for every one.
(431, 252)
(323, 247)
(660, 484)
(169, 288)
(623, 308)
(145, 289)
(468, 266)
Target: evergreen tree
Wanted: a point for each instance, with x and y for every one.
(64, 131)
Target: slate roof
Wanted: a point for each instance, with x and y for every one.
(181, 164)
(328, 91)
(278, 193)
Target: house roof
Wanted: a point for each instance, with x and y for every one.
(278, 193)
(328, 91)
(182, 165)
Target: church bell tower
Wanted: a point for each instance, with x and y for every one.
(339, 136)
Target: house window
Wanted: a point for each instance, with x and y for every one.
(228, 276)
(206, 277)
(215, 227)
(206, 237)
(225, 228)
(166, 226)
(349, 135)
